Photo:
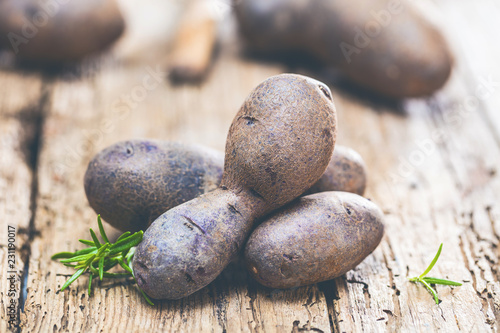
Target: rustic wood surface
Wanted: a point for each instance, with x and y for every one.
(433, 168)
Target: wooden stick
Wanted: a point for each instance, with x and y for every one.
(194, 44)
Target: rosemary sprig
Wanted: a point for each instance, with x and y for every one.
(99, 258)
(427, 280)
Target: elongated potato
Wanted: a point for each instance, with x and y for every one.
(278, 146)
(133, 182)
(52, 31)
(316, 238)
(383, 45)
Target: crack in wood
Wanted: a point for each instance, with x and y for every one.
(221, 303)
(393, 320)
(329, 290)
(305, 328)
(366, 291)
(32, 146)
(252, 295)
(485, 303)
(309, 302)
(489, 212)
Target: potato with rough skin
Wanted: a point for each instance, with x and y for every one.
(346, 172)
(133, 182)
(384, 45)
(315, 238)
(279, 144)
(45, 31)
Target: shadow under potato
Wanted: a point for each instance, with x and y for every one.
(234, 277)
(62, 70)
(302, 63)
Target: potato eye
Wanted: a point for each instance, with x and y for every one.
(325, 91)
(129, 149)
(349, 211)
(250, 120)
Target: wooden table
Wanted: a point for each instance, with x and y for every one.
(433, 168)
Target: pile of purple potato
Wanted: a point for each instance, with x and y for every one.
(281, 192)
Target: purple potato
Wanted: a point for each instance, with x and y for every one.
(316, 238)
(133, 182)
(387, 46)
(53, 31)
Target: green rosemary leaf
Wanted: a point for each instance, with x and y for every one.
(145, 296)
(94, 238)
(125, 243)
(90, 283)
(101, 268)
(80, 258)
(103, 249)
(94, 270)
(90, 259)
(101, 229)
(115, 275)
(427, 281)
(433, 292)
(433, 262)
(73, 278)
(99, 257)
(62, 255)
(86, 251)
(130, 255)
(86, 242)
(70, 265)
(110, 263)
(445, 282)
(126, 267)
(124, 235)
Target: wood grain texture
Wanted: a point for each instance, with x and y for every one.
(433, 168)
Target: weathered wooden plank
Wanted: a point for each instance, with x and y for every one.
(19, 120)
(432, 169)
